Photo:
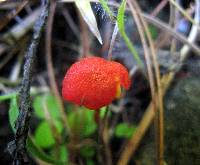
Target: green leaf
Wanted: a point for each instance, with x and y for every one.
(63, 153)
(60, 152)
(86, 11)
(13, 112)
(82, 122)
(124, 130)
(40, 154)
(43, 135)
(121, 26)
(90, 162)
(153, 31)
(103, 111)
(8, 96)
(52, 106)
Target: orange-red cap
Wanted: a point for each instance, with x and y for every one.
(94, 82)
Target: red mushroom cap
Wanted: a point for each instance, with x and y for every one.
(94, 82)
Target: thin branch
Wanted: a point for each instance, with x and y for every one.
(84, 36)
(193, 33)
(71, 22)
(162, 25)
(159, 89)
(144, 123)
(22, 123)
(50, 69)
(105, 137)
(149, 114)
(185, 14)
(143, 27)
(159, 7)
(12, 14)
(112, 42)
(18, 30)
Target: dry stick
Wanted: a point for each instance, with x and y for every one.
(163, 38)
(162, 25)
(50, 69)
(159, 7)
(146, 54)
(147, 59)
(52, 125)
(185, 14)
(22, 123)
(70, 22)
(19, 30)
(106, 37)
(144, 124)
(85, 40)
(194, 31)
(159, 115)
(12, 14)
(158, 80)
(174, 16)
(9, 56)
(112, 42)
(149, 114)
(105, 137)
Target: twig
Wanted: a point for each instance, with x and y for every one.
(22, 123)
(193, 33)
(52, 125)
(163, 38)
(70, 22)
(17, 31)
(144, 123)
(12, 14)
(159, 88)
(8, 57)
(50, 69)
(8, 82)
(175, 18)
(105, 137)
(141, 28)
(160, 24)
(150, 72)
(159, 7)
(145, 48)
(84, 36)
(112, 42)
(185, 14)
(149, 114)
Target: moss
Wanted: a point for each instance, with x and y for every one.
(182, 128)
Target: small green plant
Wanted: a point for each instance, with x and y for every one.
(124, 130)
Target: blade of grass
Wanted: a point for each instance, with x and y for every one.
(38, 153)
(120, 22)
(8, 96)
(107, 9)
(86, 11)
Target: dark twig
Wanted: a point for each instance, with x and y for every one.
(22, 123)
(12, 14)
(50, 68)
